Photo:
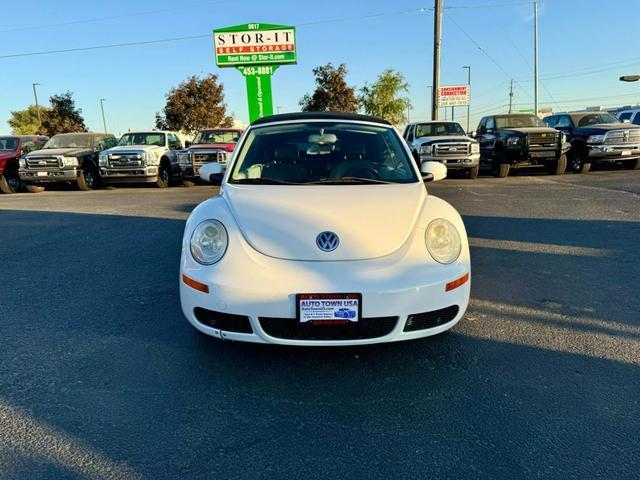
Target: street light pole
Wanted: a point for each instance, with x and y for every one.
(35, 94)
(468, 67)
(104, 122)
(437, 36)
(535, 57)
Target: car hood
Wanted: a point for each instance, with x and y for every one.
(284, 221)
(213, 146)
(446, 138)
(606, 127)
(133, 148)
(525, 130)
(67, 152)
(7, 154)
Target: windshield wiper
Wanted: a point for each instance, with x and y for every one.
(347, 180)
(264, 181)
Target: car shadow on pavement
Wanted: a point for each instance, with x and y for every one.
(96, 347)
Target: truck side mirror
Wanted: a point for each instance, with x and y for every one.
(433, 171)
(209, 170)
(187, 144)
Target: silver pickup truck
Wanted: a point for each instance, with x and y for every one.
(443, 142)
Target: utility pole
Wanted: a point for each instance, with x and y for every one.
(437, 35)
(430, 96)
(535, 57)
(510, 95)
(104, 123)
(452, 114)
(468, 67)
(35, 94)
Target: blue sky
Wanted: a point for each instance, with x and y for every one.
(584, 46)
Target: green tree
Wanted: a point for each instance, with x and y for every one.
(384, 98)
(63, 116)
(193, 105)
(25, 122)
(332, 94)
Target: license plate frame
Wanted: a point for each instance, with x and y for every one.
(320, 314)
(545, 154)
(42, 174)
(625, 153)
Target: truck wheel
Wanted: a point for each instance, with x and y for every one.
(629, 164)
(188, 183)
(501, 170)
(164, 176)
(473, 172)
(578, 164)
(87, 179)
(10, 181)
(557, 167)
(34, 188)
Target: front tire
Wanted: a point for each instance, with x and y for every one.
(578, 163)
(87, 179)
(632, 164)
(501, 170)
(164, 176)
(557, 167)
(473, 172)
(10, 180)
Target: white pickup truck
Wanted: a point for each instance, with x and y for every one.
(142, 157)
(443, 142)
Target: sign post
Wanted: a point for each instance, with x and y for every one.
(256, 50)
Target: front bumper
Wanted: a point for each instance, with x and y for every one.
(613, 153)
(48, 176)
(454, 163)
(140, 174)
(260, 287)
(192, 171)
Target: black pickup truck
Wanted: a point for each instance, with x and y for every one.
(597, 137)
(520, 139)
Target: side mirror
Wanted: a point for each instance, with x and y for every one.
(473, 134)
(208, 170)
(187, 144)
(433, 171)
(626, 120)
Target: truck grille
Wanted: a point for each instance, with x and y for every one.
(199, 158)
(623, 136)
(39, 163)
(125, 160)
(451, 149)
(542, 140)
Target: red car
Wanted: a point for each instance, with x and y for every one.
(12, 147)
(210, 145)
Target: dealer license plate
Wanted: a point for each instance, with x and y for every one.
(329, 308)
(625, 153)
(542, 154)
(43, 174)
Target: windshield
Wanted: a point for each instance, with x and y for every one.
(438, 129)
(218, 136)
(597, 119)
(518, 121)
(70, 141)
(323, 153)
(153, 138)
(9, 143)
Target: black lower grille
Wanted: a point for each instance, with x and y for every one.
(292, 329)
(435, 318)
(223, 321)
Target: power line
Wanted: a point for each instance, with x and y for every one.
(193, 37)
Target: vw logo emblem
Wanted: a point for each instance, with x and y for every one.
(327, 241)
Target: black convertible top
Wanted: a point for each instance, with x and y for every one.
(284, 117)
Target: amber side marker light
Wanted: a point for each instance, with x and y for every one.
(201, 287)
(458, 282)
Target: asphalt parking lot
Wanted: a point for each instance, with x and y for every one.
(103, 378)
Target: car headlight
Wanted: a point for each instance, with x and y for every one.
(69, 162)
(183, 158)
(209, 242)
(103, 160)
(151, 158)
(443, 241)
(511, 141)
(595, 139)
(475, 148)
(425, 149)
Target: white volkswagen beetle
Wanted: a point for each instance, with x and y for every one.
(324, 234)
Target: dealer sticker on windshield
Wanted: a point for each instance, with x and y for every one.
(329, 308)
